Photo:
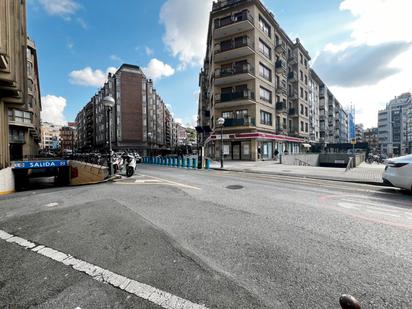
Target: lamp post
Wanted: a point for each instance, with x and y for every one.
(108, 103)
(221, 123)
(149, 135)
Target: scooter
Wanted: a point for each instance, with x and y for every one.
(130, 162)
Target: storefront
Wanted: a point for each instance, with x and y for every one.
(251, 146)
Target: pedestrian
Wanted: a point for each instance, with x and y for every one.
(259, 152)
(275, 155)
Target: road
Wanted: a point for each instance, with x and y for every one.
(207, 239)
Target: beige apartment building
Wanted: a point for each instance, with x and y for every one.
(13, 75)
(256, 78)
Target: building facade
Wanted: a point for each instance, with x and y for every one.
(360, 131)
(67, 138)
(371, 136)
(13, 68)
(24, 120)
(395, 126)
(140, 120)
(259, 80)
(50, 137)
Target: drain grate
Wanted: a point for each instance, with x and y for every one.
(234, 187)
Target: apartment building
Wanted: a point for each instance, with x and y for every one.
(68, 137)
(13, 68)
(140, 119)
(24, 120)
(259, 81)
(359, 132)
(395, 126)
(314, 107)
(50, 136)
(371, 136)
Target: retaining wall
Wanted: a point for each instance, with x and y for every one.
(6, 181)
(311, 159)
(85, 173)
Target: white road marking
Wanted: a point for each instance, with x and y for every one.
(348, 205)
(144, 291)
(147, 181)
(376, 205)
(156, 181)
(382, 213)
(52, 205)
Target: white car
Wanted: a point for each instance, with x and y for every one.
(398, 172)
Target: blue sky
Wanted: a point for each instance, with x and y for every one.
(72, 35)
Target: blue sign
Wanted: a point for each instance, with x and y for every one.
(40, 164)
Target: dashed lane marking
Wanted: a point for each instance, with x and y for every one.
(141, 290)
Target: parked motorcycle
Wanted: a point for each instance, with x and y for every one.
(130, 162)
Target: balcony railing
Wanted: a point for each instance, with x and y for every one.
(245, 122)
(292, 77)
(235, 70)
(234, 44)
(281, 106)
(280, 66)
(293, 95)
(293, 112)
(292, 60)
(235, 96)
(280, 47)
(223, 22)
(225, 3)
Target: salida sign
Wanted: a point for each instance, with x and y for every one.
(40, 164)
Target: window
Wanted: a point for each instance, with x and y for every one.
(306, 111)
(277, 40)
(227, 115)
(265, 72)
(265, 95)
(306, 95)
(301, 92)
(301, 109)
(306, 128)
(264, 26)
(302, 128)
(265, 49)
(301, 58)
(241, 114)
(265, 118)
(306, 63)
(277, 98)
(301, 76)
(306, 80)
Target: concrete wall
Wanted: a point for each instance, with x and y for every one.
(6, 181)
(86, 173)
(312, 159)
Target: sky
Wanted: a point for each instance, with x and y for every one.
(362, 49)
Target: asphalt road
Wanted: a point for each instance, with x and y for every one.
(218, 239)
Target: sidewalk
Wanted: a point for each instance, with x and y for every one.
(365, 173)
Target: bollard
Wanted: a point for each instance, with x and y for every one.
(183, 162)
(194, 164)
(174, 162)
(178, 162)
(163, 161)
(207, 164)
(188, 163)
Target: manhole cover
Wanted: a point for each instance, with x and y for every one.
(234, 187)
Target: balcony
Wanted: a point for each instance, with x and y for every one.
(282, 89)
(238, 23)
(293, 112)
(245, 122)
(292, 60)
(243, 97)
(281, 107)
(280, 67)
(293, 96)
(292, 77)
(233, 49)
(280, 47)
(226, 3)
(235, 74)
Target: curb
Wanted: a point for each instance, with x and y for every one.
(371, 183)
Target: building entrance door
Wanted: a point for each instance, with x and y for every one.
(236, 152)
(16, 152)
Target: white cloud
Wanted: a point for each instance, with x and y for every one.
(53, 109)
(90, 77)
(63, 8)
(149, 51)
(186, 25)
(157, 69)
(376, 23)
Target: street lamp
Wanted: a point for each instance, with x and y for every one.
(221, 122)
(108, 103)
(149, 135)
